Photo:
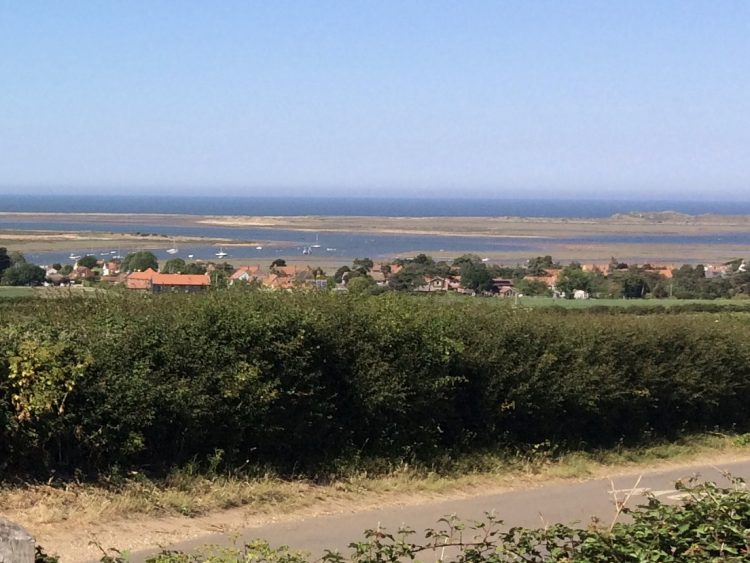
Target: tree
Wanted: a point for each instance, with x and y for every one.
(194, 269)
(341, 273)
(16, 257)
(361, 285)
(476, 276)
(139, 261)
(225, 267)
(467, 259)
(572, 278)
(23, 274)
(4, 260)
(363, 263)
(539, 265)
(278, 263)
(423, 259)
(531, 287)
(88, 262)
(174, 266)
(66, 269)
(57, 266)
(407, 278)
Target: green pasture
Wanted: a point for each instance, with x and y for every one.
(10, 292)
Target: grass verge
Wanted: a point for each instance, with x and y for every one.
(189, 492)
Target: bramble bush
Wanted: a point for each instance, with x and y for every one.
(307, 383)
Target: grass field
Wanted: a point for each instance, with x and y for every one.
(587, 303)
(541, 302)
(13, 292)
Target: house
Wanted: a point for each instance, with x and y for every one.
(275, 281)
(502, 287)
(81, 273)
(589, 268)
(140, 280)
(436, 283)
(111, 268)
(550, 279)
(287, 271)
(150, 280)
(179, 282)
(245, 274)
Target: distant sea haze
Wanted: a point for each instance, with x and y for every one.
(395, 207)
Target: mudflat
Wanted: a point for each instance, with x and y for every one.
(553, 230)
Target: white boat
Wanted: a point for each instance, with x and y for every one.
(316, 245)
(221, 253)
(485, 259)
(74, 257)
(172, 251)
(330, 250)
(190, 255)
(258, 247)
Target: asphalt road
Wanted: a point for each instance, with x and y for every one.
(566, 503)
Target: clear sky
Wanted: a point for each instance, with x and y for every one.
(499, 98)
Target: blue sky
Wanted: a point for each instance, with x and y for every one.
(498, 98)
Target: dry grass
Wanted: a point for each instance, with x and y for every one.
(189, 493)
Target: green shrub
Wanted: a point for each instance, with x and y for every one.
(305, 382)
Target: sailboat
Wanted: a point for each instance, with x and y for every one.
(174, 249)
(221, 253)
(316, 245)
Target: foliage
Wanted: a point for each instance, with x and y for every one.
(23, 274)
(174, 266)
(365, 263)
(408, 278)
(16, 258)
(140, 261)
(573, 278)
(476, 276)
(531, 287)
(361, 285)
(341, 274)
(194, 269)
(88, 262)
(278, 263)
(539, 265)
(306, 382)
(5, 262)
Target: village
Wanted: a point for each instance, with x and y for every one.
(468, 274)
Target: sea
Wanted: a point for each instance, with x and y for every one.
(338, 245)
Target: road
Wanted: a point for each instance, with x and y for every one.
(567, 503)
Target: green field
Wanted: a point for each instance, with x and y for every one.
(587, 303)
(540, 302)
(13, 292)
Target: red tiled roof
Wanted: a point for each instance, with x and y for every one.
(250, 270)
(144, 275)
(180, 279)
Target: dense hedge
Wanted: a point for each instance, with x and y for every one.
(305, 381)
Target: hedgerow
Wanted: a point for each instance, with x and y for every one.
(305, 383)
